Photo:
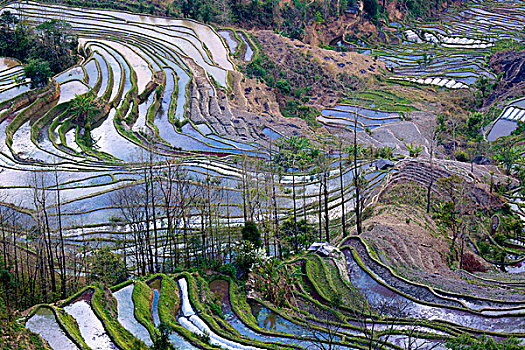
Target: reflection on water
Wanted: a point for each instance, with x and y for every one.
(268, 319)
(91, 329)
(155, 307)
(377, 294)
(45, 325)
(126, 312)
(502, 127)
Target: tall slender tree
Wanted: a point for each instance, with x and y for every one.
(291, 152)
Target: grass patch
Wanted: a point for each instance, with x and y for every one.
(105, 307)
(141, 299)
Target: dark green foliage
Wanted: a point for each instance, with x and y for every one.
(294, 15)
(251, 233)
(512, 225)
(483, 85)
(6, 283)
(163, 342)
(254, 12)
(371, 8)
(500, 238)
(284, 86)
(484, 248)
(107, 268)
(474, 124)
(38, 71)
(83, 109)
(195, 9)
(305, 237)
(47, 49)
(216, 309)
(385, 152)
(507, 155)
(294, 109)
(261, 67)
(228, 269)
(520, 129)
(421, 8)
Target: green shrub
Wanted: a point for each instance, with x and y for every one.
(500, 238)
(216, 309)
(107, 268)
(284, 86)
(484, 248)
(251, 233)
(462, 156)
(228, 269)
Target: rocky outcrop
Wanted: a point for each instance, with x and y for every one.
(512, 84)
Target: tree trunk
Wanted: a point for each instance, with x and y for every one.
(356, 182)
(341, 184)
(63, 271)
(326, 217)
(294, 209)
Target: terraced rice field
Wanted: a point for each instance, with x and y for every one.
(346, 115)
(163, 83)
(451, 53)
(507, 121)
(256, 325)
(12, 79)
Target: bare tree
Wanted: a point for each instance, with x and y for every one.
(342, 185)
(62, 258)
(128, 200)
(357, 175)
(324, 338)
(413, 338)
(40, 200)
(431, 155)
(378, 321)
(458, 212)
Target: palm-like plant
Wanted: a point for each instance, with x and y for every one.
(356, 149)
(413, 149)
(82, 108)
(386, 152)
(275, 280)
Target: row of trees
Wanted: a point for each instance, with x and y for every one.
(170, 218)
(46, 49)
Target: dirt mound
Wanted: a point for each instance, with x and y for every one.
(512, 84)
(405, 236)
(409, 240)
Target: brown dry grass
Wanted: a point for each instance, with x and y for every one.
(330, 59)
